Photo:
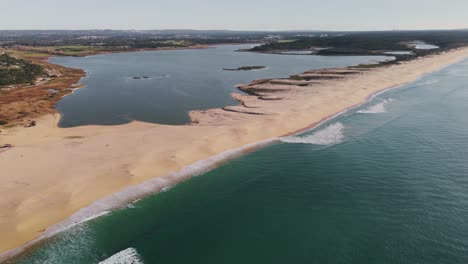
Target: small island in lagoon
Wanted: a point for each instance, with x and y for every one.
(147, 77)
(245, 68)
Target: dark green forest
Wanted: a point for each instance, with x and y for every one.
(18, 71)
(362, 43)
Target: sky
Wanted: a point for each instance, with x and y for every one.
(235, 14)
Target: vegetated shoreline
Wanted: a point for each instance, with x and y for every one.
(246, 133)
(197, 46)
(23, 103)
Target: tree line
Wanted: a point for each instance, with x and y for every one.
(18, 71)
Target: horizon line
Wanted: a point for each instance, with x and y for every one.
(237, 30)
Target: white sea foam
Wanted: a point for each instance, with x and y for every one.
(375, 109)
(71, 223)
(165, 189)
(332, 134)
(127, 256)
(93, 217)
(65, 252)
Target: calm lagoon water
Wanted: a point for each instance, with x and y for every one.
(384, 183)
(399, 52)
(179, 81)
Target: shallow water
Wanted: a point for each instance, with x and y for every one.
(392, 188)
(399, 52)
(423, 45)
(178, 81)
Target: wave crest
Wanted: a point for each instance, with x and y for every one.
(332, 134)
(127, 256)
(375, 109)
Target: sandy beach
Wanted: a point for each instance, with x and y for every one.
(51, 173)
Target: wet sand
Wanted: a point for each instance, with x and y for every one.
(52, 173)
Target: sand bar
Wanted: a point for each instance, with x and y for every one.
(52, 173)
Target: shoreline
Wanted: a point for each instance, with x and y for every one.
(135, 193)
(226, 123)
(39, 99)
(197, 46)
(157, 185)
(27, 102)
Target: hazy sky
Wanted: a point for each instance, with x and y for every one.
(234, 14)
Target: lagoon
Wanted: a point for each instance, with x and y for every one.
(169, 84)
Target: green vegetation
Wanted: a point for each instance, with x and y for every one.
(18, 71)
(75, 50)
(296, 77)
(70, 50)
(179, 43)
(87, 42)
(286, 40)
(372, 43)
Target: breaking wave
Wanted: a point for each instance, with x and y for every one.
(332, 134)
(375, 109)
(127, 256)
(86, 219)
(165, 189)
